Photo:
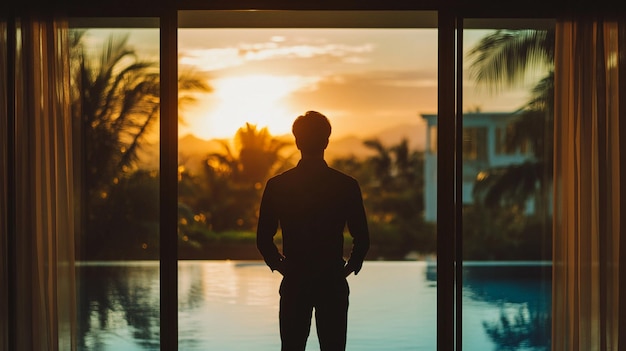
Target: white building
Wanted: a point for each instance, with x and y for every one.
(484, 135)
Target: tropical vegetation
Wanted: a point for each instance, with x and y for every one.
(500, 225)
(115, 108)
(218, 206)
(392, 182)
(516, 197)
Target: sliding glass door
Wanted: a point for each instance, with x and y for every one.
(374, 75)
(240, 78)
(128, 207)
(249, 77)
(115, 95)
(505, 134)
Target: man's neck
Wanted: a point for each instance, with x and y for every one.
(313, 155)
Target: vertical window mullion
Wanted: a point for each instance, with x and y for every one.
(458, 185)
(168, 182)
(445, 181)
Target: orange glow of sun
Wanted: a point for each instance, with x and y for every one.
(254, 99)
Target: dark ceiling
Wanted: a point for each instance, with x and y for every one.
(465, 8)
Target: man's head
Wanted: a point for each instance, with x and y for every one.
(312, 131)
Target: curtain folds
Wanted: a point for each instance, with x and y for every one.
(4, 211)
(589, 191)
(44, 234)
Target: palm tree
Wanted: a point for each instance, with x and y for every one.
(504, 59)
(115, 103)
(234, 180)
(259, 156)
(395, 167)
(259, 153)
(382, 162)
(393, 194)
(116, 99)
(407, 165)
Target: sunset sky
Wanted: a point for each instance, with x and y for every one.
(364, 80)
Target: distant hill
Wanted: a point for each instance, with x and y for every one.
(192, 150)
(192, 144)
(414, 133)
(354, 146)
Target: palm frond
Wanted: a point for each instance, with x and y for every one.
(504, 58)
(508, 185)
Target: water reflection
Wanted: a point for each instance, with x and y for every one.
(521, 292)
(227, 305)
(232, 305)
(204, 282)
(118, 306)
(521, 329)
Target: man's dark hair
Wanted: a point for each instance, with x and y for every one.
(312, 131)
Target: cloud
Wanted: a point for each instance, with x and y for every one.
(366, 101)
(378, 82)
(211, 59)
(402, 78)
(276, 49)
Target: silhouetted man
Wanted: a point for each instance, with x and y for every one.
(312, 203)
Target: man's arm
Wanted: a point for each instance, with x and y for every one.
(357, 226)
(266, 229)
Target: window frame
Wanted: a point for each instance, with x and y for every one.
(449, 24)
(447, 252)
(449, 167)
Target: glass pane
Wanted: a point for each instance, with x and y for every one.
(115, 97)
(378, 87)
(507, 184)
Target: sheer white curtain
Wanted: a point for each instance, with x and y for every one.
(44, 233)
(590, 146)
